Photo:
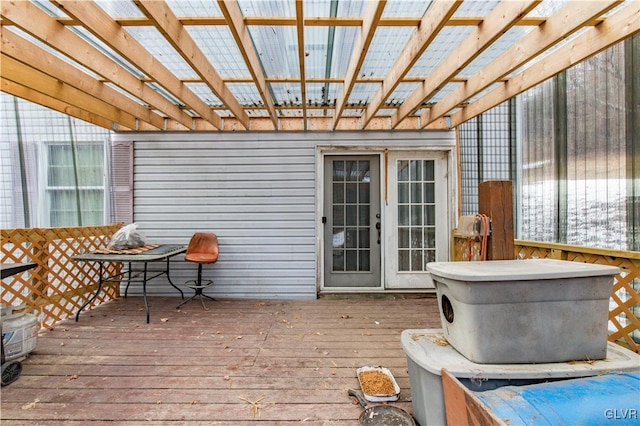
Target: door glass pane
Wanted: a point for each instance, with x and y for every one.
(351, 208)
(416, 260)
(352, 260)
(416, 237)
(338, 237)
(416, 170)
(363, 215)
(364, 260)
(429, 192)
(338, 193)
(430, 215)
(352, 170)
(338, 215)
(352, 238)
(338, 260)
(403, 192)
(364, 174)
(403, 237)
(416, 193)
(365, 240)
(403, 215)
(363, 193)
(338, 171)
(352, 193)
(352, 218)
(404, 263)
(403, 171)
(416, 214)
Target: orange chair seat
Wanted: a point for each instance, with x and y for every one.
(201, 257)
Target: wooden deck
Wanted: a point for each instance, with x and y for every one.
(240, 362)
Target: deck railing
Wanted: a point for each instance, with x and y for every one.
(57, 287)
(624, 304)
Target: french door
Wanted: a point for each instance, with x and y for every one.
(351, 220)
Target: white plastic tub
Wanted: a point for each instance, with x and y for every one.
(524, 311)
(428, 353)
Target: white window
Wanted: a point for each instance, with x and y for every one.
(74, 184)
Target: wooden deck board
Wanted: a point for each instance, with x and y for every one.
(191, 366)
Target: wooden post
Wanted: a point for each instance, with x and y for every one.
(495, 199)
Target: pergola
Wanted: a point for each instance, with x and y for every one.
(252, 65)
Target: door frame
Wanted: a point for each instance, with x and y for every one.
(322, 152)
(361, 279)
(451, 188)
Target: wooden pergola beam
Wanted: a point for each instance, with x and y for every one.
(24, 75)
(21, 50)
(301, 58)
(565, 22)
(432, 22)
(501, 19)
(320, 21)
(615, 28)
(40, 25)
(101, 25)
(31, 95)
(233, 16)
(166, 22)
(360, 48)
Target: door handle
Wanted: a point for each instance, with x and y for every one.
(378, 227)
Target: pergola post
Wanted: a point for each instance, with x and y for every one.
(495, 200)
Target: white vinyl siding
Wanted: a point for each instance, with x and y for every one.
(256, 191)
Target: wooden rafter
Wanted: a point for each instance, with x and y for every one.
(503, 17)
(555, 29)
(55, 104)
(21, 50)
(360, 48)
(233, 15)
(301, 58)
(101, 25)
(37, 80)
(167, 23)
(37, 23)
(321, 21)
(433, 21)
(617, 27)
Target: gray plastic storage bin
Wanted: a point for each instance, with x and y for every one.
(523, 311)
(428, 353)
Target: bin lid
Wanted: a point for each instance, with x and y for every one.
(430, 350)
(518, 270)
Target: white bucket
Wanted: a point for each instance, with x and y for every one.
(19, 332)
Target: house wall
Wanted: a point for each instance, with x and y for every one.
(256, 191)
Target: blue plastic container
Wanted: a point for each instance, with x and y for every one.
(612, 398)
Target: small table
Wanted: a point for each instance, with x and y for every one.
(9, 269)
(161, 252)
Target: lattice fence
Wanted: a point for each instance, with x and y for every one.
(58, 286)
(624, 305)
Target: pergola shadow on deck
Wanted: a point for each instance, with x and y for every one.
(239, 362)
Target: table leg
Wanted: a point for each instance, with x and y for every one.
(88, 302)
(126, 290)
(144, 291)
(171, 282)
